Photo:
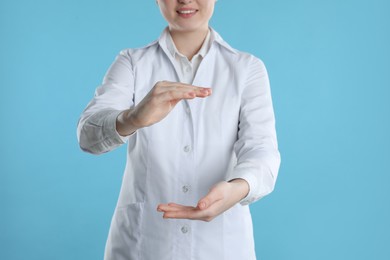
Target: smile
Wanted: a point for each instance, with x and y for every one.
(186, 11)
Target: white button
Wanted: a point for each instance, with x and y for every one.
(188, 110)
(185, 188)
(187, 148)
(184, 229)
(188, 68)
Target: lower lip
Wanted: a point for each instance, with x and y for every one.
(187, 15)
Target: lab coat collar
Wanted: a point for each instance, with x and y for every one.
(171, 47)
(214, 37)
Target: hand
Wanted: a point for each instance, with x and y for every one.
(220, 198)
(157, 104)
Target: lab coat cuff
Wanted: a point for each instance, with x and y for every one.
(252, 181)
(110, 126)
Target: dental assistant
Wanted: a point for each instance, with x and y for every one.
(198, 118)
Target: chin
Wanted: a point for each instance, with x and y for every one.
(190, 28)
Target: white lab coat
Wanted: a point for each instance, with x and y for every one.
(230, 134)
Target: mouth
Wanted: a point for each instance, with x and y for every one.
(186, 12)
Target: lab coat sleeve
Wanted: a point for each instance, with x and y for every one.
(256, 148)
(96, 130)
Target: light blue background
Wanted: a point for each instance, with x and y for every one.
(329, 65)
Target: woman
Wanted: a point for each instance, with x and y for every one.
(198, 118)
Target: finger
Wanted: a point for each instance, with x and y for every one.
(173, 207)
(184, 214)
(178, 205)
(165, 208)
(176, 95)
(203, 92)
(181, 84)
(166, 84)
(199, 91)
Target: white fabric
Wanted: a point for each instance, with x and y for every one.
(187, 69)
(230, 134)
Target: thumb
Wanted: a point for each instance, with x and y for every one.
(208, 200)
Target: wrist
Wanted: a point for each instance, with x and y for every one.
(126, 123)
(131, 119)
(240, 187)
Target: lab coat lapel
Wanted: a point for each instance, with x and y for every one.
(203, 79)
(170, 58)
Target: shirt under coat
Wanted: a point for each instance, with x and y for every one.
(230, 134)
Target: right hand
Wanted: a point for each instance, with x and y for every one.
(157, 104)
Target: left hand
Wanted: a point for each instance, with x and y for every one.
(220, 198)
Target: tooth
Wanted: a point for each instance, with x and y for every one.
(187, 12)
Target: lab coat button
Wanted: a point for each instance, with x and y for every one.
(184, 229)
(187, 148)
(185, 188)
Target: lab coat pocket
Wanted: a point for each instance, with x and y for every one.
(124, 238)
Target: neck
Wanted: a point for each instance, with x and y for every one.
(188, 43)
